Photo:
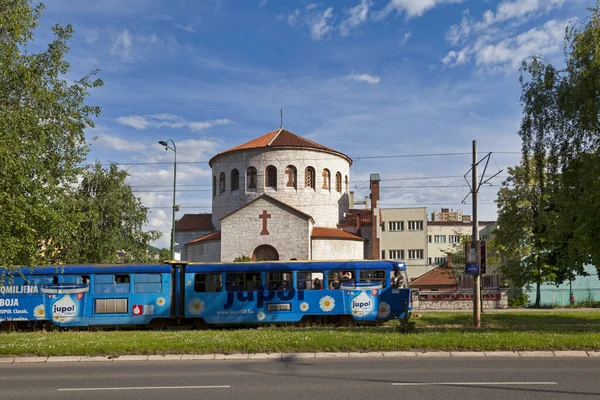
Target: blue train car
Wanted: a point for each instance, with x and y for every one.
(293, 291)
(86, 295)
(203, 294)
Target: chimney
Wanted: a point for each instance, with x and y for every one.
(376, 245)
(351, 200)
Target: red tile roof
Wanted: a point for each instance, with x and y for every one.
(441, 277)
(195, 222)
(211, 236)
(280, 138)
(332, 233)
(364, 215)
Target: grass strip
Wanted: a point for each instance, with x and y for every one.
(435, 331)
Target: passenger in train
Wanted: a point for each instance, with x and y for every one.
(347, 276)
(335, 284)
(218, 286)
(283, 286)
(397, 280)
(317, 285)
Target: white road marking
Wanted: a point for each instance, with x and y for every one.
(142, 388)
(471, 383)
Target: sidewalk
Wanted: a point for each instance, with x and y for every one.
(292, 356)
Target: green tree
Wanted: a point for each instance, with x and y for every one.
(110, 220)
(562, 125)
(523, 229)
(164, 255)
(42, 142)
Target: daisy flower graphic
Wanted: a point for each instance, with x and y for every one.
(160, 301)
(196, 306)
(304, 306)
(327, 303)
(384, 310)
(260, 315)
(39, 312)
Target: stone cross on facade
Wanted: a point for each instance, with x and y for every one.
(264, 216)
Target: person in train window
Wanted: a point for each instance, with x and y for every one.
(335, 285)
(397, 280)
(283, 286)
(347, 276)
(317, 285)
(218, 286)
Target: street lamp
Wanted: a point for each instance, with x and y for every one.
(174, 149)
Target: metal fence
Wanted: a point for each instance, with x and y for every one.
(487, 282)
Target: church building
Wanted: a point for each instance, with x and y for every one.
(281, 197)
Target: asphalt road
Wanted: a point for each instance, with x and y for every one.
(394, 378)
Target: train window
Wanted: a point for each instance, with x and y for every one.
(109, 284)
(337, 277)
(243, 281)
(84, 279)
(310, 280)
(207, 283)
(147, 283)
(279, 281)
(373, 276)
(39, 280)
(55, 279)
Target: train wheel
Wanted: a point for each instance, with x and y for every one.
(200, 324)
(158, 324)
(347, 320)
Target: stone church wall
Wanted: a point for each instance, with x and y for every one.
(325, 206)
(335, 249)
(209, 251)
(288, 232)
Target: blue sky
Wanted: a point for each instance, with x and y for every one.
(374, 79)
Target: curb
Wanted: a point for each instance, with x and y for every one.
(298, 356)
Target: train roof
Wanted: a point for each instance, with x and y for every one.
(295, 266)
(90, 269)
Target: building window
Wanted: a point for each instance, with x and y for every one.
(326, 183)
(440, 260)
(338, 182)
(454, 238)
(235, 180)
(440, 238)
(290, 173)
(396, 254)
(415, 254)
(395, 226)
(346, 182)
(222, 182)
(415, 225)
(429, 261)
(251, 178)
(483, 237)
(271, 177)
(309, 177)
(383, 254)
(429, 238)
(214, 186)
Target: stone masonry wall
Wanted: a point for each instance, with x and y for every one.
(325, 206)
(209, 251)
(335, 249)
(425, 301)
(288, 232)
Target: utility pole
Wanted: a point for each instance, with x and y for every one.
(476, 244)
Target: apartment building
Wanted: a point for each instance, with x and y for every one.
(404, 237)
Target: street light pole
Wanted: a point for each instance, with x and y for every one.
(174, 149)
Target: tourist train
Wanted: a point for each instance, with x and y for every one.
(204, 294)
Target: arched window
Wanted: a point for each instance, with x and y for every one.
(214, 186)
(271, 177)
(309, 177)
(251, 178)
(326, 178)
(338, 182)
(346, 182)
(222, 182)
(235, 180)
(290, 173)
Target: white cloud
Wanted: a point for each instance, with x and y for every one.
(188, 28)
(355, 16)
(412, 8)
(168, 120)
(372, 79)
(319, 25)
(291, 18)
(122, 46)
(262, 3)
(116, 143)
(405, 38)
(507, 54)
